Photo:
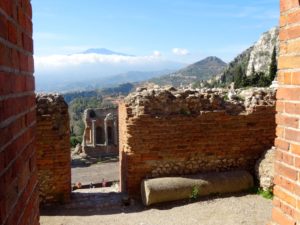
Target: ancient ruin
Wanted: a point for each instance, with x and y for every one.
(193, 131)
(169, 132)
(100, 136)
(53, 149)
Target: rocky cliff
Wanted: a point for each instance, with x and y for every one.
(257, 58)
(260, 56)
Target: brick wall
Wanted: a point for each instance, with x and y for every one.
(18, 172)
(53, 149)
(286, 202)
(165, 134)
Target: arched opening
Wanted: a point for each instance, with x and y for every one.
(100, 138)
(110, 135)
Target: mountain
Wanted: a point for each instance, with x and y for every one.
(88, 84)
(260, 56)
(255, 60)
(103, 51)
(202, 70)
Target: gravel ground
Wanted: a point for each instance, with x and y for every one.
(95, 173)
(245, 210)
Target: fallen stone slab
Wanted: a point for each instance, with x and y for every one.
(167, 189)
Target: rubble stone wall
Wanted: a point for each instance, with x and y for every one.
(53, 149)
(19, 202)
(170, 132)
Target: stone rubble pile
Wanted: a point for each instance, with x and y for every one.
(50, 103)
(170, 101)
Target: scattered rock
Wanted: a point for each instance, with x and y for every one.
(265, 170)
(170, 101)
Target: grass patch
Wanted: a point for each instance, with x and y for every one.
(268, 194)
(195, 193)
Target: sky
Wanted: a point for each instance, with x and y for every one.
(180, 30)
(157, 35)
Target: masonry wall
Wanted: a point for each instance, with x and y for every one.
(53, 149)
(18, 172)
(161, 135)
(286, 202)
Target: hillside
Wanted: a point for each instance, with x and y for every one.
(254, 63)
(202, 70)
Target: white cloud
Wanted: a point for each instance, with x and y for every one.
(157, 53)
(180, 51)
(65, 61)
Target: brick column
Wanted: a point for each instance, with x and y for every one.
(286, 202)
(18, 172)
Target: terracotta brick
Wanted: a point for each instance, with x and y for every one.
(288, 94)
(293, 17)
(292, 135)
(288, 4)
(289, 62)
(282, 144)
(292, 108)
(17, 135)
(281, 219)
(285, 171)
(284, 183)
(280, 106)
(296, 78)
(295, 149)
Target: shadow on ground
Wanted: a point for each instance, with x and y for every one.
(90, 204)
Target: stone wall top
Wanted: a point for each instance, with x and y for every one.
(170, 101)
(50, 103)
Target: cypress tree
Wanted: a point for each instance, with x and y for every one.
(273, 66)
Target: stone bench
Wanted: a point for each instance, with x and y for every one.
(177, 188)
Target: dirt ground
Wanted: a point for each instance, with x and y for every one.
(95, 173)
(236, 210)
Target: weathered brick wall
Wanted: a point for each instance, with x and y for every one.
(165, 133)
(53, 149)
(18, 172)
(286, 202)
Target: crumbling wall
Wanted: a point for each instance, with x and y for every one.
(53, 149)
(165, 132)
(18, 173)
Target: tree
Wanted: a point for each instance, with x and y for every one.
(273, 66)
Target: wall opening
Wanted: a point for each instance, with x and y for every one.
(100, 136)
(110, 135)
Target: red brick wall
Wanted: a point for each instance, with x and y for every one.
(163, 145)
(286, 202)
(18, 172)
(53, 149)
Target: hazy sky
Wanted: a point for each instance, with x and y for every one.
(177, 30)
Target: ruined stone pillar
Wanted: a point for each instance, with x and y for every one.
(93, 133)
(105, 130)
(115, 132)
(83, 139)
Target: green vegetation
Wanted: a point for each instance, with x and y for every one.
(76, 109)
(273, 66)
(195, 193)
(268, 194)
(75, 140)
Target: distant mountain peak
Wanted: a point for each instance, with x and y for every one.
(201, 70)
(210, 60)
(103, 51)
